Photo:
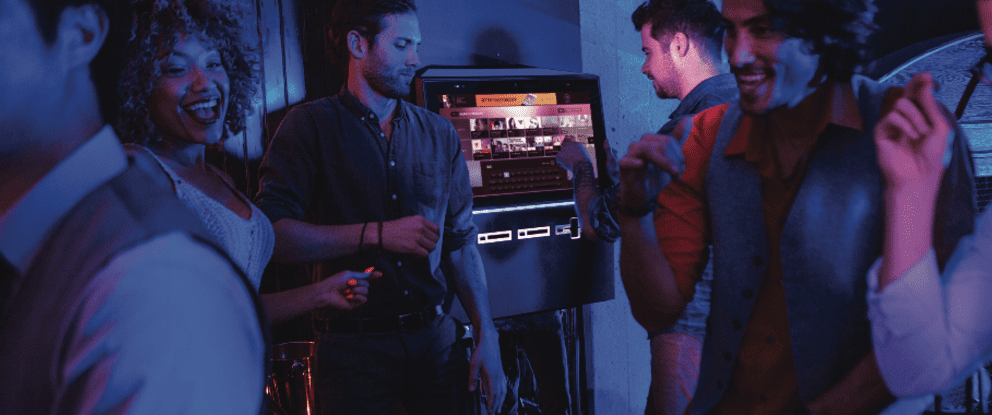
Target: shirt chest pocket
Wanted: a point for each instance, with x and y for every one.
(429, 181)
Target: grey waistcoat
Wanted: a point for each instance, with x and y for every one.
(831, 237)
(129, 209)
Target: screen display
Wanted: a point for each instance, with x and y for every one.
(510, 140)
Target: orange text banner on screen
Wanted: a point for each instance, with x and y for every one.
(509, 100)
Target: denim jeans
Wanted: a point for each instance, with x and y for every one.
(365, 373)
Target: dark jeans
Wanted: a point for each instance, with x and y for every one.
(365, 373)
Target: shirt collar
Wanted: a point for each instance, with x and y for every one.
(24, 226)
(351, 102)
(841, 109)
(694, 97)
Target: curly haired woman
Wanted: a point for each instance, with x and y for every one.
(188, 82)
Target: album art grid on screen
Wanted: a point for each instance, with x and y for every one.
(510, 140)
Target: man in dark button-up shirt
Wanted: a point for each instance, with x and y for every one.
(329, 165)
(363, 179)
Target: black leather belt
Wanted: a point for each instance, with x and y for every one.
(402, 322)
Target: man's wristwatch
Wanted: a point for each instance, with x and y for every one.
(641, 211)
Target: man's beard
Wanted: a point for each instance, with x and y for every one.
(663, 92)
(383, 81)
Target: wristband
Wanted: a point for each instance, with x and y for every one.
(641, 211)
(380, 237)
(361, 239)
(583, 176)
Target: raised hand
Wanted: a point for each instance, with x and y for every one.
(414, 235)
(647, 168)
(571, 154)
(911, 139)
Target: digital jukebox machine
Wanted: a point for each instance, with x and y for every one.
(512, 123)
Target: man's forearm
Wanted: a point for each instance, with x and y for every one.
(654, 296)
(304, 243)
(907, 235)
(470, 287)
(585, 191)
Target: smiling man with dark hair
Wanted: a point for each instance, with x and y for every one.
(785, 185)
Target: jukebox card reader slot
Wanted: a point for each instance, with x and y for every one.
(572, 229)
(537, 232)
(493, 237)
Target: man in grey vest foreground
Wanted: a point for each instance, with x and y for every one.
(111, 298)
(785, 185)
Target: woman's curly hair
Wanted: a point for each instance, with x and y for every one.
(157, 26)
(836, 30)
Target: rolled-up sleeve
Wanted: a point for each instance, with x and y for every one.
(459, 228)
(931, 331)
(601, 217)
(286, 175)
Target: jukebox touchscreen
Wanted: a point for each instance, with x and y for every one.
(510, 140)
(512, 129)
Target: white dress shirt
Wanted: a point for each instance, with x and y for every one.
(930, 331)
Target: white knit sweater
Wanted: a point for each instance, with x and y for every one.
(249, 242)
